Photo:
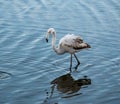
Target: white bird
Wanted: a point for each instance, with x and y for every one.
(70, 43)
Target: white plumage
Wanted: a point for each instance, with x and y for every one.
(69, 43)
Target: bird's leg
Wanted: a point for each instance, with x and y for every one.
(52, 90)
(70, 62)
(77, 62)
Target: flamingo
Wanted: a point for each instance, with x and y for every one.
(70, 43)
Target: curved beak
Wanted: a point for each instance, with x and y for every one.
(46, 40)
(88, 46)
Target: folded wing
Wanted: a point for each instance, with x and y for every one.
(74, 42)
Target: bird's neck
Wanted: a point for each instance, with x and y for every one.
(56, 49)
(53, 42)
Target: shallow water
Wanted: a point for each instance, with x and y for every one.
(28, 64)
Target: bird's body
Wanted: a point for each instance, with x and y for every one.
(70, 43)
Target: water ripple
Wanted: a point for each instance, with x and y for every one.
(5, 75)
(25, 55)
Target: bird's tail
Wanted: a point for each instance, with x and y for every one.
(82, 46)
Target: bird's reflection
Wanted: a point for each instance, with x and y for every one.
(67, 84)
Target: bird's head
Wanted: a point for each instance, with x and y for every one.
(50, 31)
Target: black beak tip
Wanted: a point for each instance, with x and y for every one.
(88, 46)
(46, 40)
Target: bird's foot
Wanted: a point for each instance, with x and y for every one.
(76, 67)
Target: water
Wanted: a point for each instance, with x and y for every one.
(28, 64)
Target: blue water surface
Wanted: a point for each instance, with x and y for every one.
(28, 64)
